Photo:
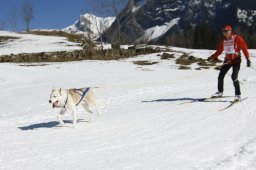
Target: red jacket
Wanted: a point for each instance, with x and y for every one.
(232, 48)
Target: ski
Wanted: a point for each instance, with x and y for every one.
(194, 100)
(206, 99)
(233, 103)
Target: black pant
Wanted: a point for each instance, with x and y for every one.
(223, 71)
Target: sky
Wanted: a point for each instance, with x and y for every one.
(49, 14)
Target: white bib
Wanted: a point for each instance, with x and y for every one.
(229, 46)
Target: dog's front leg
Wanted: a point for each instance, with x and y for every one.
(74, 117)
(60, 115)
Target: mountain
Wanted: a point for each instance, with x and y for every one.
(186, 23)
(90, 25)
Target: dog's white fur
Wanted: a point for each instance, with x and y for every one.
(68, 98)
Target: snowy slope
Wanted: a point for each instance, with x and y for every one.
(30, 43)
(143, 123)
(158, 31)
(89, 24)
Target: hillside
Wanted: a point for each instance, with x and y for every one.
(30, 43)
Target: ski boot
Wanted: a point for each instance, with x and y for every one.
(237, 98)
(217, 95)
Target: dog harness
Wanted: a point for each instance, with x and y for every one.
(81, 93)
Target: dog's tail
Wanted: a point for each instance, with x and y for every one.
(93, 102)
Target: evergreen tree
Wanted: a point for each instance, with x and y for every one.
(251, 38)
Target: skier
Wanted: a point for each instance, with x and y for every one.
(232, 45)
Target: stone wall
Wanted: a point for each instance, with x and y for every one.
(109, 54)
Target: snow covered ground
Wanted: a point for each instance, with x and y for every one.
(144, 122)
(30, 43)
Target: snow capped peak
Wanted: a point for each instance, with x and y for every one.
(90, 25)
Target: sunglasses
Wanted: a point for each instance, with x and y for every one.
(225, 31)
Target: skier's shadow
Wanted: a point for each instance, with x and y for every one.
(185, 99)
(51, 124)
(174, 100)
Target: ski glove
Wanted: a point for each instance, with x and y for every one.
(209, 58)
(248, 63)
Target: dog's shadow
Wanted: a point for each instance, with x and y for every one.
(51, 124)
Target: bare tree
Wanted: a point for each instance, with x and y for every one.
(116, 6)
(85, 23)
(89, 28)
(13, 19)
(27, 13)
(100, 26)
(99, 8)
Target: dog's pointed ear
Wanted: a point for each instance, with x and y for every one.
(53, 89)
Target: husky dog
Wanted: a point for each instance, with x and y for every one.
(70, 99)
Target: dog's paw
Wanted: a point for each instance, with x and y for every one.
(61, 123)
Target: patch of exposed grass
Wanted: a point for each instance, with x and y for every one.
(4, 39)
(184, 68)
(32, 65)
(185, 59)
(217, 67)
(204, 63)
(200, 68)
(167, 56)
(70, 37)
(144, 62)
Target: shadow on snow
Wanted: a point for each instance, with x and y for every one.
(187, 99)
(51, 124)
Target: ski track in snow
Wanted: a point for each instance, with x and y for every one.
(242, 157)
(143, 124)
